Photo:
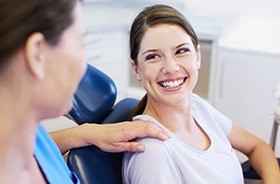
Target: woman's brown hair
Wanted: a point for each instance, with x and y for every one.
(19, 19)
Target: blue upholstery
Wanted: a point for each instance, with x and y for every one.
(95, 96)
(94, 102)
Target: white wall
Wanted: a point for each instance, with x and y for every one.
(58, 123)
(228, 9)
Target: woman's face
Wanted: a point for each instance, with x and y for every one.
(66, 65)
(168, 63)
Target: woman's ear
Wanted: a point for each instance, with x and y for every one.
(198, 55)
(135, 70)
(34, 55)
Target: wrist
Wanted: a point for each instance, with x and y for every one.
(89, 134)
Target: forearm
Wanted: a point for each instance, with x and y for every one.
(69, 138)
(263, 160)
(261, 156)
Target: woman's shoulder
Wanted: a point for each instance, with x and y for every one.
(139, 167)
(154, 150)
(152, 143)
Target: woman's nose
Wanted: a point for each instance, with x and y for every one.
(170, 66)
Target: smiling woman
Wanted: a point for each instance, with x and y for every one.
(165, 65)
(165, 58)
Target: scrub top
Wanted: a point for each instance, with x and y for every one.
(50, 160)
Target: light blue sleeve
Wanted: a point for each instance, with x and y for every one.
(155, 165)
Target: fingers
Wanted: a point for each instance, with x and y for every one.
(123, 146)
(130, 146)
(134, 147)
(119, 137)
(148, 129)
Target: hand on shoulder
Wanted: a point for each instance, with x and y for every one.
(120, 137)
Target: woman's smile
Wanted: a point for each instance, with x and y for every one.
(172, 83)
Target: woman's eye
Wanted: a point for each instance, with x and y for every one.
(151, 56)
(182, 50)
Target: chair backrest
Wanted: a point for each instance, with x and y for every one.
(94, 98)
(94, 102)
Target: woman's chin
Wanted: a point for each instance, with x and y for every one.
(68, 107)
(64, 110)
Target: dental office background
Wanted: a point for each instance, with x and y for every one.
(240, 43)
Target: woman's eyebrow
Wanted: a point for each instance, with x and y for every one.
(182, 44)
(150, 50)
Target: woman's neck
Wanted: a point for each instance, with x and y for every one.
(179, 120)
(174, 117)
(18, 125)
(17, 134)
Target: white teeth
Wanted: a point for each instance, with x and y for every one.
(172, 84)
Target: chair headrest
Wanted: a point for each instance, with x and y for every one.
(94, 98)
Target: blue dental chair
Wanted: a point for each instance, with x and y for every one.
(94, 102)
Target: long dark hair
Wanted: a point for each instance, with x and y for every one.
(149, 17)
